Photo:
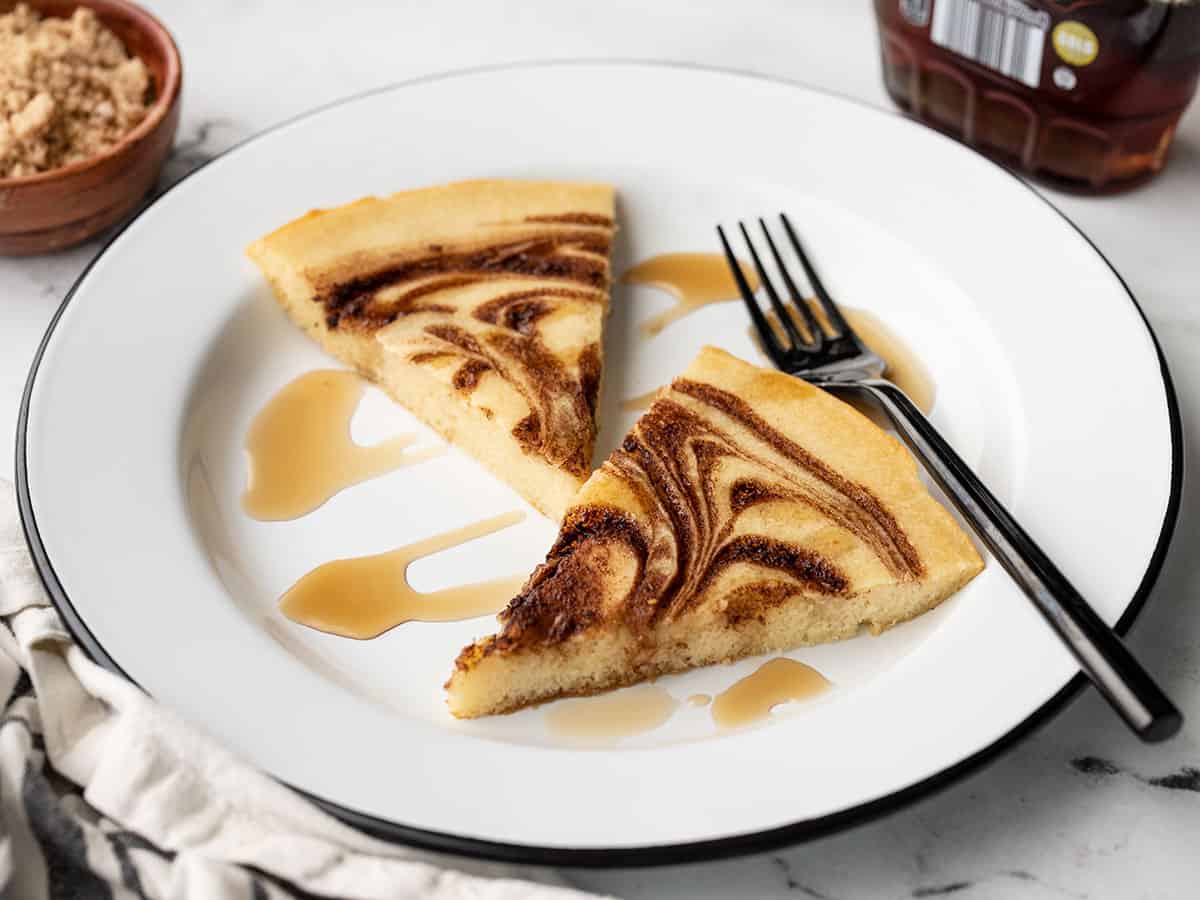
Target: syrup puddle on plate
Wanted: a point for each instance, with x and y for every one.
(699, 279)
(699, 700)
(695, 279)
(610, 717)
(300, 449)
(750, 700)
(904, 368)
(368, 595)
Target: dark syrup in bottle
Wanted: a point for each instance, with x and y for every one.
(1085, 94)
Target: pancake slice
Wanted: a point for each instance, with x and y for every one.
(477, 305)
(746, 512)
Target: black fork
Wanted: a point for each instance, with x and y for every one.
(835, 358)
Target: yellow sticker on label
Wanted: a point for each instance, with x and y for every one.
(1075, 43)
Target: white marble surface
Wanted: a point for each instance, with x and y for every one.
(1080, 809)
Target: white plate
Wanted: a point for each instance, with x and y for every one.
(131, 463)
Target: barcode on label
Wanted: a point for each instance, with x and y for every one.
(1004, 35)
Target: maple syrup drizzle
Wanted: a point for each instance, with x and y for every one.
(611, 717)
(699, 279)
(301, 453)
(365, 596)
(696, 280)
(699, 700)
(904, 368)
(640, 402)
(776, 681)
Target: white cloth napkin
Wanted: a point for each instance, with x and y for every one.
(103, 793)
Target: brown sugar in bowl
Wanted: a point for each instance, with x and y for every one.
(66, 206)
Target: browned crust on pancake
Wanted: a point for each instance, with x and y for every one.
(572, 218)
(752, 602)
(559, 598)
(809, 569)
(575, 256)
(590, 365)
(466, 377)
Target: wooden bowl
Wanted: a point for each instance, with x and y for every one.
(68, 205)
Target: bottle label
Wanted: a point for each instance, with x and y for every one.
(1006, 36)
(1075, 43)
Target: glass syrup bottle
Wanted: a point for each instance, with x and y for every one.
(1084, 94)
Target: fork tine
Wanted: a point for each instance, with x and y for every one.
(817, 339)
(765, 331)
(831, 310)
(795, 338)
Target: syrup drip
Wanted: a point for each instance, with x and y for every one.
(365, 596)
(696, 280)
(776, 681)
(300, 449)
(610, 717)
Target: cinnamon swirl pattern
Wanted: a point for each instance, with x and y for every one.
(478, 305)
(745, 512)
(500, 332)
(560, 254)
(673, 463)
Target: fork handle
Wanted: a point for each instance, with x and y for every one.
(1126, 686)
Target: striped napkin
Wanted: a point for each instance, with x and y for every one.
(104, 794)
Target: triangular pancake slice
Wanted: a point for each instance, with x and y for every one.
(477, 305)
(746, 512)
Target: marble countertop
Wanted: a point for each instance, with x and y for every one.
(1080, 809)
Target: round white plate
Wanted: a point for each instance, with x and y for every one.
(131, 462)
